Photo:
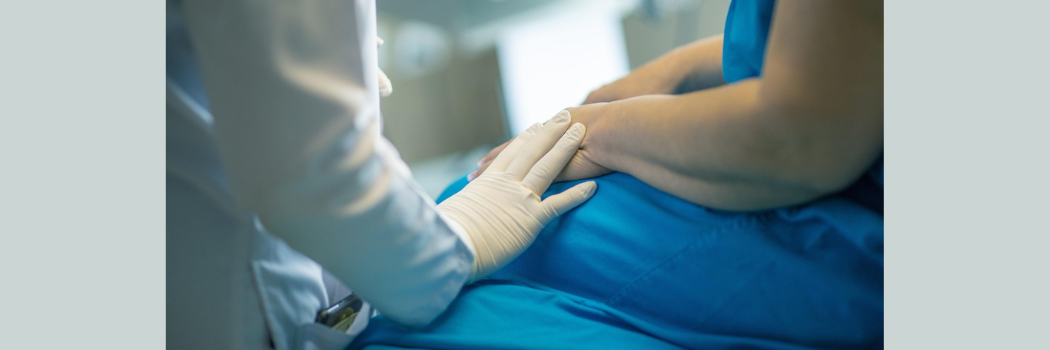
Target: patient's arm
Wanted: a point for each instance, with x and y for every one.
(691, 67)
(808, 127)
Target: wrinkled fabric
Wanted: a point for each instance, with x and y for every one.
(665, 273)
(231, 285)
(293, 89)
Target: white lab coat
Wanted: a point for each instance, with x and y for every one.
(294, 142)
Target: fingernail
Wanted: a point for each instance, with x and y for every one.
(472, 176)
(480, 162)
(562, 117)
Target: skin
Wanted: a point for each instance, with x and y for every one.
(808, 127)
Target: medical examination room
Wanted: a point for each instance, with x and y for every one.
(524, 174)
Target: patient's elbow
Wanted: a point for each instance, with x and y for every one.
(819, 153)
(831, 179)
(824, 165)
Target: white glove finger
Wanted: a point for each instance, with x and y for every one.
(566, 200)
(507, 155)
(543, 173)
(385, 88)
(539, 145)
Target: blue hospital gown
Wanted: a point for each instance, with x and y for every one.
(637, 268)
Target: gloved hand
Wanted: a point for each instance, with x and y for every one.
(581, 166)
(501, 212)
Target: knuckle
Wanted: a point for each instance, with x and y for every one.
(541, 172)
(572, 142)
(570, 137)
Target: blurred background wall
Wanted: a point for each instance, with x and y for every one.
(469, 74)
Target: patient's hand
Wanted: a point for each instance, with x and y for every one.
(581, 166)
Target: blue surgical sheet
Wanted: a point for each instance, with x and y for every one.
(637, 268)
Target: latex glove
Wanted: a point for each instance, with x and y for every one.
(582, 164)
(385, 88)
(501, 212)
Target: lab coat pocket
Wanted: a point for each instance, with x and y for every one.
(317, 336)
(290, 288)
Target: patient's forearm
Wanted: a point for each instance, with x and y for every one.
(719, 147)
(691, 67)
(726, 195)
(699, 64)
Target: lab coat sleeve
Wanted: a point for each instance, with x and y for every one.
(293, 89)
